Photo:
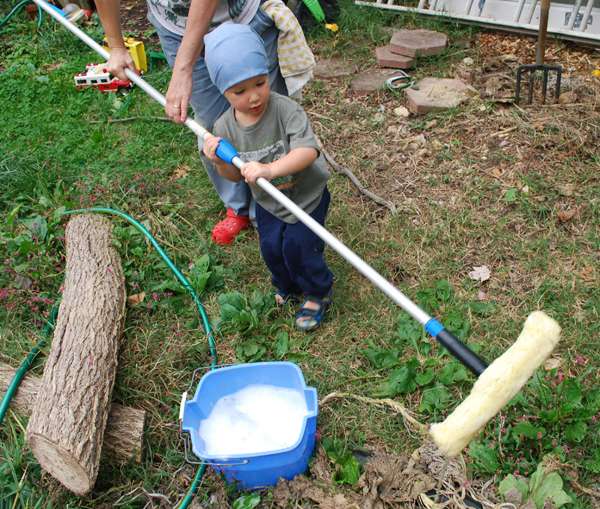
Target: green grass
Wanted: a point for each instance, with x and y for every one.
(453, 215)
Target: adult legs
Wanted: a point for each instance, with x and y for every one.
(208, 105)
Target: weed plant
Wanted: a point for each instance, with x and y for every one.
(553, 414)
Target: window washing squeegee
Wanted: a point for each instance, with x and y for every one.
(496, 384)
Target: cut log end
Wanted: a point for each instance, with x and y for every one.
(125, 427)
(60, 464)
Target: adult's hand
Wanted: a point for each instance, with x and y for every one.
(178, 95)
(180, 89)
(119, 60)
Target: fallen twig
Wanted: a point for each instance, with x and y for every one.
(345, 171)
(165, 119)
(421, 428)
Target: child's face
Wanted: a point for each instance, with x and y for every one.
(249, 98)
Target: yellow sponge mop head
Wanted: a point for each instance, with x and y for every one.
(498, 384)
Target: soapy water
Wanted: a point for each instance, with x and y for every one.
(258, 418)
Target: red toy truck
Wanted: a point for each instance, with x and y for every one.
(96, 75)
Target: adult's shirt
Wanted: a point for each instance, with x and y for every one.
(172, 14)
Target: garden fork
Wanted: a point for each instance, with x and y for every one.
(539, 62)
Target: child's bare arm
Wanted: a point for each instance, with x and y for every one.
(296, 160)
(226, 170)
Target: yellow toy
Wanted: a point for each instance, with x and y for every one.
(136, 48)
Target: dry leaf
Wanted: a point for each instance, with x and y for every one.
(134, 300)
(538, 125)
(566, 189)
(52, 67)
(401, 111)
(180, 173)
(552, 363)
(496, 172)
(566, 215)
(481, 296)
(419, 138)
(480, 273)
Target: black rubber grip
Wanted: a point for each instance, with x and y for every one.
(461, 351)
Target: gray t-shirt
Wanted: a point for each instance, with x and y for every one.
(283, 127)
(172, 14)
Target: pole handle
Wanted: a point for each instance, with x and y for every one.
(461, 352)
(226, 152)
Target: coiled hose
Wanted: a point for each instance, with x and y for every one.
(14, 384)
(18, 8)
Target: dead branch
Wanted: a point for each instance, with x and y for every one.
(345, 171)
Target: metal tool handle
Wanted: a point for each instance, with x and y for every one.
(432, 326)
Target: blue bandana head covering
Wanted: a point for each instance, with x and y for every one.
(234, 53)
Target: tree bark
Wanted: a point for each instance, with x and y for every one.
(66, 427)
(124, 434)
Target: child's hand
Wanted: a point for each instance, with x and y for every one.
(253, 170)
(210, 148)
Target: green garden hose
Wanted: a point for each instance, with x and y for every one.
(18, 8)
(20, 374)
(14, 384)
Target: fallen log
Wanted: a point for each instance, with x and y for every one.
(124, 433)
(67, 423)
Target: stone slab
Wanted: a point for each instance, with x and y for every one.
(387, 58)
(437, 94)
(412, 43)
(334, 68)
(369, 81)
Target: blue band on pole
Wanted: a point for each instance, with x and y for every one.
(59, 11)
(434, 327)
(226, 152)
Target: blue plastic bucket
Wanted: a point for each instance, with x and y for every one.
(258, 470)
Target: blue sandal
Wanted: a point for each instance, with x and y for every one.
(309, 319)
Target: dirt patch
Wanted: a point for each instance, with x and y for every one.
(135, 24)
(389, 480)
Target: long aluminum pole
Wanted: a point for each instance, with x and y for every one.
(433, 327)
(385, 286)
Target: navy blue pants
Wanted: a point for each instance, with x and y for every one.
(294, 254)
